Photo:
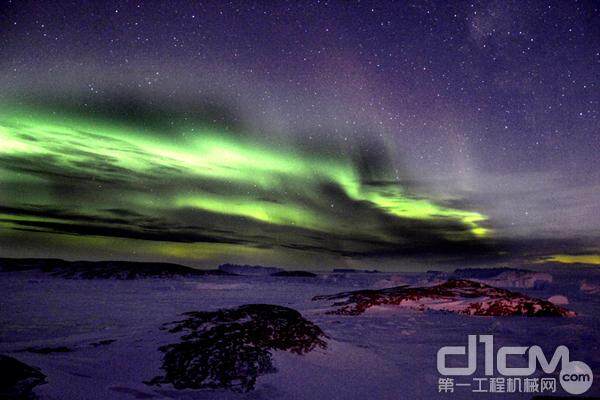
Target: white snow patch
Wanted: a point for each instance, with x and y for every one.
(559, 300)
(589, 287)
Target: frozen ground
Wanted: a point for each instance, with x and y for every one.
(386, 353)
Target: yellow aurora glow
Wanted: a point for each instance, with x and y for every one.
(593, 259)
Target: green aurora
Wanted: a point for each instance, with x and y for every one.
(204, 193)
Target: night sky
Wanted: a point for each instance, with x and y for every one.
(300, 134)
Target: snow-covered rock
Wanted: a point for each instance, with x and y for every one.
(505, 277)
(589, 287)
(458, 296)
(529, 280)
(484, 273)
(254, 270)
(230, 348)
(559, 300)
(432, 276)
(392, 281)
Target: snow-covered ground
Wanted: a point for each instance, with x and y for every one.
(385, 353)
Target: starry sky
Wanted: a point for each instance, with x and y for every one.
(300, 134)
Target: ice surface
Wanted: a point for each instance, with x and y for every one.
(376, 355)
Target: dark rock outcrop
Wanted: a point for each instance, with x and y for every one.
(253, 270)
(458, 296)
(230, 348)
(302, 274)
(102, 269)
(352, 270)
(17, 379)
(48, 350)
(104, 342)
